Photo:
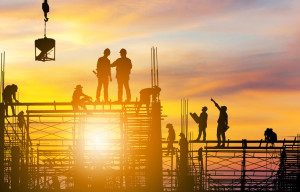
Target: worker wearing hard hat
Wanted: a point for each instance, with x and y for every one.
(171, 139)
(123, 68)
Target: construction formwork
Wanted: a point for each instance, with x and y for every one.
(109, 147)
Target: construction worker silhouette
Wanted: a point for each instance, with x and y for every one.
(145, 96)
(21, 120)
(46, 10)
(78, 101)
(183, 164)
(123, 67)
(202, 123)
(222, 124)
(270, 136)
(55, 183)
(9, 93)
(170, 139)
(103, 75)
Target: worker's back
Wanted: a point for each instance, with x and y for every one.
(8, 92)
(123, 69)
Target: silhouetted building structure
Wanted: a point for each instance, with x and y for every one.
(222, 124)
(123, 68)
(103, 75)
(9, 94)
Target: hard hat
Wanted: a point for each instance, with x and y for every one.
(181, 135)
(123, 51)
(169, 125)
(78, 87)
(204, 108)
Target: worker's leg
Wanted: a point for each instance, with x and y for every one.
(138, 107)
(99, 89)
(204, 134)
(128, 94)
(218, 136)
(223, 139)
(120, 89)
(105, 86)
(6, 107)
(82, 103)
(199, 134)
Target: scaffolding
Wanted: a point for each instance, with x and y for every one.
(112, 147)
(106, 147)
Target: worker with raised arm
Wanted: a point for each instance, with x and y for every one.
(9, 94)
(123, 68)
(222, 123)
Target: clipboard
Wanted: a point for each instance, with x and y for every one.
(195, 117)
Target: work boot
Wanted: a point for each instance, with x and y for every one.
(97, 100)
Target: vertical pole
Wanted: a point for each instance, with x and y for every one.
(151, 69)
(157, 83)
(155, 148)
(206, 180)
(26, 154)
(2, 127)
(15, 165)
(243, 165)
(38, 168)
(3, 76)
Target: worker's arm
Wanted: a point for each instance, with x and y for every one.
(115, 63)
(84, 95)
(226, 121)
(216, 104)
(110, 73)
(14, 96)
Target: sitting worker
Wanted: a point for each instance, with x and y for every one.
(78, 101)
(8, 95)
(270, 136)
(145, 96)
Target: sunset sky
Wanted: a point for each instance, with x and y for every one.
(243, 53)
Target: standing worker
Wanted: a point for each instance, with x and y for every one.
(170, 139)
(202, 123)
(103, 74)
(222, 123)
(123, 67)
(9, 93)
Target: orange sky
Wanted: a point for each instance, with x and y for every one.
(243, 53)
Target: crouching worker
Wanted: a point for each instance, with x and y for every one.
(145, 97)
(270, 136)
(9, 93)
(80, 99)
